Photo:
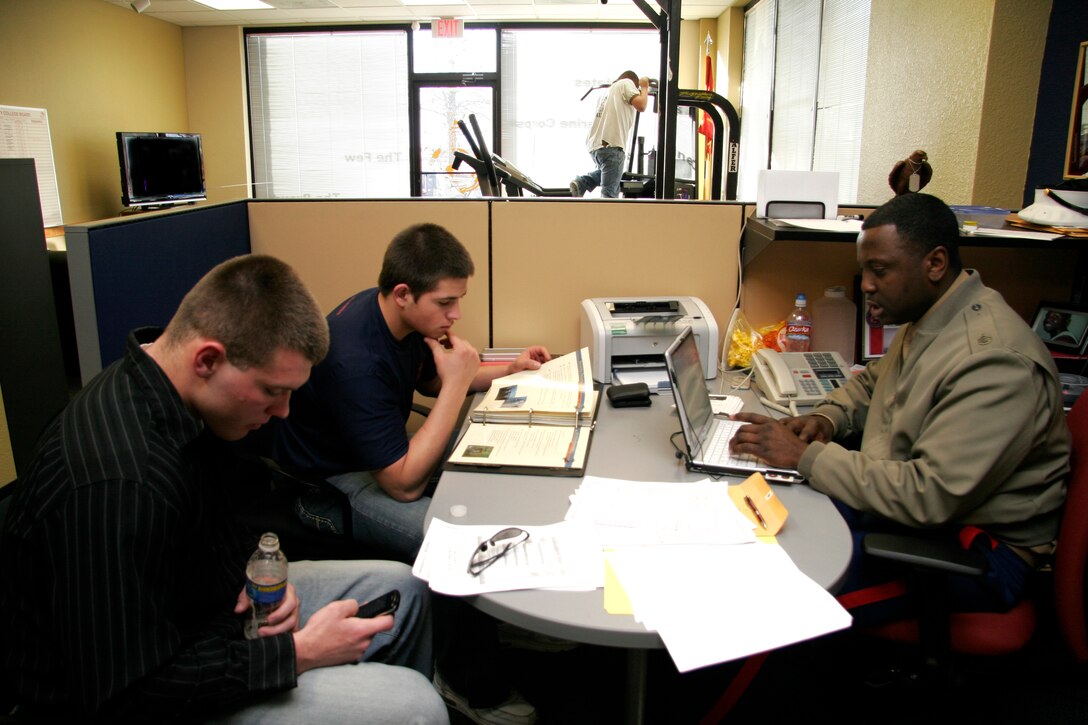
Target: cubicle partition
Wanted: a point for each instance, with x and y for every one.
(548, 255)
(337, 246)
(32, 375)
(536, 259)
(133, 271)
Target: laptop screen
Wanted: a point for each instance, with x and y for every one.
(689, 387)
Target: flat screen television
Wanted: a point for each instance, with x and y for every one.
(160, 168)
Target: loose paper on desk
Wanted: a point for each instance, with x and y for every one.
(656, 378)
(713, 604)
(562, 555)
(726, 405)
(1015, 233)
(641, 513)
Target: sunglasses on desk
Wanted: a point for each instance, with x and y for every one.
(495, 548)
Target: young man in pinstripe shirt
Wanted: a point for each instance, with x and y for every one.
(121, 573)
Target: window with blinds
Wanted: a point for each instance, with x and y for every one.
(803, 89)
(329, 114)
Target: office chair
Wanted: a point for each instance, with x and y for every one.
(941, 633)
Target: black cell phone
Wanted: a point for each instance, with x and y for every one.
(385, 604)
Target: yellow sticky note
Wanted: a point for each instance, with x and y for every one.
(616, 600)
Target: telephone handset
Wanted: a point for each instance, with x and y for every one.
(800, 378)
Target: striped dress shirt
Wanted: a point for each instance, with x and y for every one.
(119, 566)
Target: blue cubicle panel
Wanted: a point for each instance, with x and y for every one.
(133, 272)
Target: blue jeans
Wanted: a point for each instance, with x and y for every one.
(390, 684)
(607, 175)
(393, 527)
(998, 590)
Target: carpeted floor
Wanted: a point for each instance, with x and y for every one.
(842, 678)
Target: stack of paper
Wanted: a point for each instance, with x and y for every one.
(713, 604)
(684, 556)
(500, 354)
(649, 513)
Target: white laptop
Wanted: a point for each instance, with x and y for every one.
(707, 437)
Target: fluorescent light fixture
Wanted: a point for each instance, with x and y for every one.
(235, 4)
(433, 2)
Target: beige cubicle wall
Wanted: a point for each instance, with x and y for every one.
(550, 254)
(337, 246)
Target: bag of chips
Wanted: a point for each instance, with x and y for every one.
(743, 342)
(772, 335)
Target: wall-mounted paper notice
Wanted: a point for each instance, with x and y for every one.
(24, 134)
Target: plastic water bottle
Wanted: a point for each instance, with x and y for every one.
(835, 318)
(798, 327)
(266, 582)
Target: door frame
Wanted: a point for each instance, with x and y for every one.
(417, 83)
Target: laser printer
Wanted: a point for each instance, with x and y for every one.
(627, 336)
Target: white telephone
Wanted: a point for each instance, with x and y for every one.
(800, 378)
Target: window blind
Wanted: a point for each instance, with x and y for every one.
(329, 114)
(803, 89)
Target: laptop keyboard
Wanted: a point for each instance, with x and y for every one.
(716, 450)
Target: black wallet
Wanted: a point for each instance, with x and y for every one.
(632, 395)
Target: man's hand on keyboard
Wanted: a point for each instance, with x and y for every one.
(811, 428)
(772, 440)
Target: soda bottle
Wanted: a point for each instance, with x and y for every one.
(266, 582)
(798, 337)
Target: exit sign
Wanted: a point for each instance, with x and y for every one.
(448, 28)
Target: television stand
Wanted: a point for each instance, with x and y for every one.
(134, 210)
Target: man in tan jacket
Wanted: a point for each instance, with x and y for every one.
(959, 427)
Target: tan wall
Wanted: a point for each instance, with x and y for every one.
(7, 457)
(549, 255)
(97, 69)
(959, 80)
(729, 54)
(337, 247)
(216, 92)
(691, 54)
(1008, 106)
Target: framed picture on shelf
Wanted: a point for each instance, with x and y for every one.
(1062, 327)
(876, 337)
(1076, 153)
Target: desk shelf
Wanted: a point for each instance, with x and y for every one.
(759, 233)
(780, 260)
